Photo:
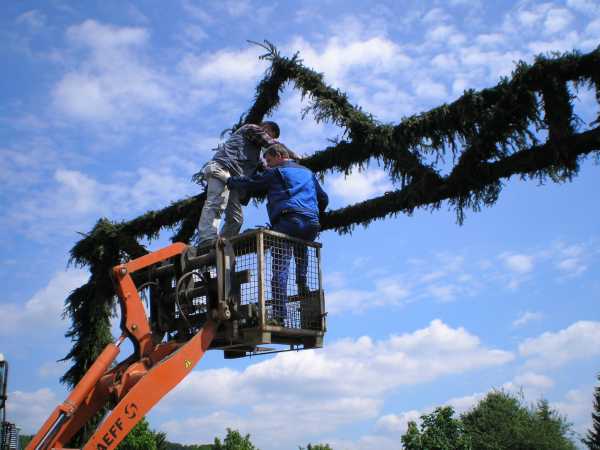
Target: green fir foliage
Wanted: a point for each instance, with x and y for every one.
(592, 437)
(490, 135)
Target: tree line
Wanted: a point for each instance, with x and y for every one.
(500, 421)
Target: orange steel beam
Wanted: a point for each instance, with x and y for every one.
(132, 309)
(157, 368)
(150, 389)
(51, 429)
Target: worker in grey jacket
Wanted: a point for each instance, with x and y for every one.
(238, 156)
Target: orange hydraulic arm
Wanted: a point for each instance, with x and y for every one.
(135, 384)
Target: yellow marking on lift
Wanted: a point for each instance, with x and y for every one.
(188, 363)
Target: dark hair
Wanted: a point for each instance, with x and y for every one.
(271, 125)
(277, 150)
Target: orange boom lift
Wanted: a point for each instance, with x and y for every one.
(217, 297)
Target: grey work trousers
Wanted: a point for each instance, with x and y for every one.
(219, 199)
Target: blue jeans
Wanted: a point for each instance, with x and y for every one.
(301, 227)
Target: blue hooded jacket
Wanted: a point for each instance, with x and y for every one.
(290, 188)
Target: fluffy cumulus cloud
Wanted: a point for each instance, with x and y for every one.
(531, 386)
(237, 69)
(576, 405)
(557, 19)
(72, 199)
(553, 349)
(45, 307)
(325, 389)
(358, 186)
(342, 57)
(111, 81)
(29, 409)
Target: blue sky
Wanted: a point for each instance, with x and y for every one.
(109, 107)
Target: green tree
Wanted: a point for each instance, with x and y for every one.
(592, 438)
(24, 439)
(411, 440)
(140, 438)
(501, 422)
(234, 441)
(439, 431)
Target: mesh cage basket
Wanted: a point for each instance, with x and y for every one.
(282, 278)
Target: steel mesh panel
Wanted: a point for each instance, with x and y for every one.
(246, 260)
(292, 293)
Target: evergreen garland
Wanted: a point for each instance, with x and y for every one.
(489, 134)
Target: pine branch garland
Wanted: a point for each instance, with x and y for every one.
(490, 134)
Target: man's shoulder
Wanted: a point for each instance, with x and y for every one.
(294, 165)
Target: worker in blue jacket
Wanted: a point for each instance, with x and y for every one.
(294, 201)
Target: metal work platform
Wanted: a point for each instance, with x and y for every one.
(266, 287)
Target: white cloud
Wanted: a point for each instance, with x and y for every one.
(338, 58)
(566, 42)
(441, 33)
(436, 15)
(398, 423)
(30, 409)
(34, 19)
(330, 384)
(491, 39)
(44, 309)
(534, 16)
(429, 89)
(571, 259)
(197, 12)
(73, 199)
(572, 266)
(444, 293)
(526, 317)
(386, 292)
(557, 19)
(530, 385)
(111, 82)
(230, 67)
(99, 37)
(76, 92)
(53, 369)
(554, 349)
(577, 407)
(585, 6)
(359, 186)
(535, 380)
(518, 262)
(465, 403)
